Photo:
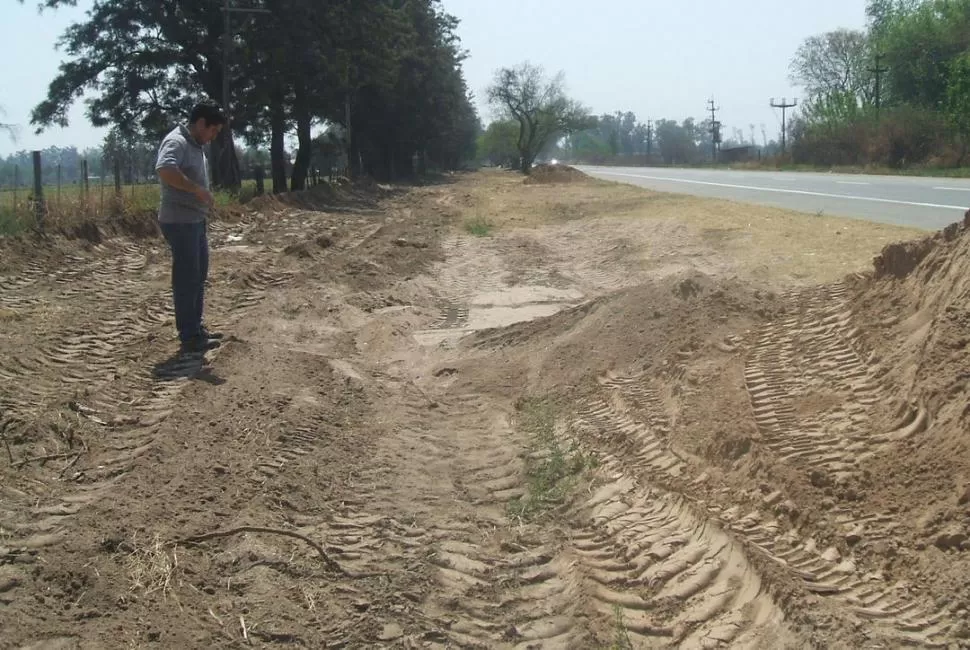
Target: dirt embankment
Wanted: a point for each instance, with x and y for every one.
(915, 317)
(555, 174)
(478, 414)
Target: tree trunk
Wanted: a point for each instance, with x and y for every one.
(224, 168)
(225, 164)
(348, 124)
(526, 158)
(303, 127)
(277, 150)
(356, 160)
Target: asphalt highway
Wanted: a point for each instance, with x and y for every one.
(919, 202)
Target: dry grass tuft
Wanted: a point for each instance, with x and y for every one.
(152, 568)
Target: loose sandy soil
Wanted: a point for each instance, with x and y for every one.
(490, 414)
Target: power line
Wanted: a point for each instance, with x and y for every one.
(784, 106)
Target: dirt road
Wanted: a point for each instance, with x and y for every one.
(486, 414)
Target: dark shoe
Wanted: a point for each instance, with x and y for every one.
(199, 344)
(206, 334)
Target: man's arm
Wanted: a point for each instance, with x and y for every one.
(170, 156)
(174, 177)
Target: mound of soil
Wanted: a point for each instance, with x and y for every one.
(916, 316)
(324, 195)
(551, 174)
(647, 328)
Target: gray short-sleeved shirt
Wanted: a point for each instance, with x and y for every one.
(179, 149)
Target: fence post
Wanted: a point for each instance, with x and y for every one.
(86, 186)
(16, 187)
(101, 213)
(117, 206)
(57, 204)
(38, 191)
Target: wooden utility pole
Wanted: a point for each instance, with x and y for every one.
(878, 71)
(227, 38)
(715, 128)
(784, 106)
(649, 140)
(223, 146)
(39, 206)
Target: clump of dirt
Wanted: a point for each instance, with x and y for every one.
(552, 174)
(898, 260)
(309, 249)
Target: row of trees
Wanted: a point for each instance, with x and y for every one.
(382, 78)
(896, 93)
(621, 137)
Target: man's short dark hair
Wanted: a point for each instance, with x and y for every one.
(208, 111)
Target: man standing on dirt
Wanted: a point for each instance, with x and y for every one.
(182, 216)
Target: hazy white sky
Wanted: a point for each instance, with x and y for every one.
(657, 58)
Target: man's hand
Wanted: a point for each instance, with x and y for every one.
(174, 177)
(204, 195)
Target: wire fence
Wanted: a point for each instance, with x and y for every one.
(40, 197)
(57, 196)
(51, 197)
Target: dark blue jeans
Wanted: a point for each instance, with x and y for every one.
(190, 268)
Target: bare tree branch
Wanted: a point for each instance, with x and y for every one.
(11, 130)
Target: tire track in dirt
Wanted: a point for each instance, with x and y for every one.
(471, 267)
(654, 542)
(896, 612)
(667, 574)
(634, 559)
(812, 394)
(628, 549)
(120, 405)
(101, 273)
(892, 611)
(435, 497)
(453, 286)
(139, 404)
(495, 586)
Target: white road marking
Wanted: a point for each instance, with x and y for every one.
(788, 191)
(953, 189)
